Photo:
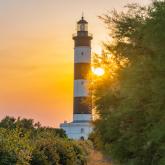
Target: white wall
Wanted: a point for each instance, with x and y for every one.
(80, 117)
(81, 88)
(82, 54)
(73, 130)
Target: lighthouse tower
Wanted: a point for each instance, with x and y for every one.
(82, 109)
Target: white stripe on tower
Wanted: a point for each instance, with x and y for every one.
(81, 88)
(82, 54)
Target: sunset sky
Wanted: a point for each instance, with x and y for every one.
(36, 54)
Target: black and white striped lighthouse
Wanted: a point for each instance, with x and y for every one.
(82, 66)
(82, 109)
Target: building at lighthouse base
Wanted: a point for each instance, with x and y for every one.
(77, 130)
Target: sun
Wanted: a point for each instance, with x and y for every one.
(98, 71)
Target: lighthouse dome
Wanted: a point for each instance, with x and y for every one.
(82, 21)
(82, 25)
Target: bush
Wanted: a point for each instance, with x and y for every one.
(26, 144)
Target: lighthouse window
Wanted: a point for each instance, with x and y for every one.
(82, 53)
(82, 83)
(82, 27)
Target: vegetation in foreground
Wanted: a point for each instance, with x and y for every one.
(23, 142)
(130, 97)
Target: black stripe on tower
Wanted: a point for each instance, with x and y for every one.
(82, 105)
(81, 70)
(82, 39)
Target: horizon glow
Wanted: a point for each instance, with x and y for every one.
(36, 54)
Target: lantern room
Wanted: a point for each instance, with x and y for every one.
(82, 25)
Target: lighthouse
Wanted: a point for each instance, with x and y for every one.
(81, 127)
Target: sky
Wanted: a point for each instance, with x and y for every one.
(36, 54)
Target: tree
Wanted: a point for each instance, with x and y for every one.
(14, 148)
(129, 99)
(8, 122)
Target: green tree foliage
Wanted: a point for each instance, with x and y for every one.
(23, 142)
(15, 148)
(130, 98)
(28, 125)
(8, 122)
